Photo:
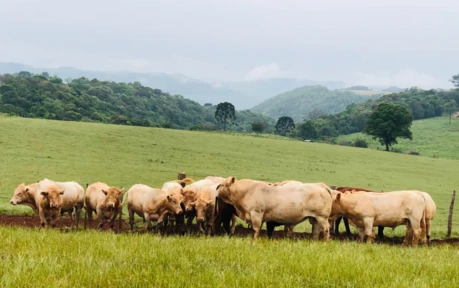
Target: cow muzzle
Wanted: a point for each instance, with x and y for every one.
(12, 202)
(178, 211)
(111, 205)
(200, 219)
(189, 208)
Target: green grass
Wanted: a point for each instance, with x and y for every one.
(32, 258)
(32, 149)
(432, 137)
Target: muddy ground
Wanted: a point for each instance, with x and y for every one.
(65, 225)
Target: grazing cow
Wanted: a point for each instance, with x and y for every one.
(257, 202)
(105, 201)
(429, 212)
(151, 204)
(49, 201)
(25, 195)
(346, 223)
(389, 209)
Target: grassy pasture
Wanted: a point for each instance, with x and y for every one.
(431, 137)
(32, 149)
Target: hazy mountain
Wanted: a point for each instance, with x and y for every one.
(243, 94)
(298, 103)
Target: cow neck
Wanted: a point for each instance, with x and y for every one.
(159, 207)
(31, 197)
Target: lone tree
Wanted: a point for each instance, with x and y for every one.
(284, 125)
(450, 107)
(455, 80)
(258, 127)
(225, 112)
(387, 122)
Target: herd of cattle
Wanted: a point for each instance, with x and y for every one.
(214, 201)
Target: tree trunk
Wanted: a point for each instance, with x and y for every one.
(387, 146)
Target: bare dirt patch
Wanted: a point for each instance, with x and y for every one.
(64, 224)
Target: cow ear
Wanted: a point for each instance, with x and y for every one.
(182, 184)
(44, 193)
(233, 179)
(121, 190)
(104, 191)
(218, 186)
(169, 197)
(338, 196)
(62, 192)
(26, 190)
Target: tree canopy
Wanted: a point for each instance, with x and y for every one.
(389, 122)
(284, 125)
(225, 113)
(455, 80)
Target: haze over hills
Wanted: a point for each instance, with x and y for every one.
(243, 95)
(298, 103)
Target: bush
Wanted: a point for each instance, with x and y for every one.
(396, 150)
(345, 143)
(361, 143)
(414, 152)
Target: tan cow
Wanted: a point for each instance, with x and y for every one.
(151, 204)
(389, 209)
(205, 209)
(105, 201)
(49, 201)
(189, 196)
(430, 211)
(176, 187)
(25, 195)
(73, 199)
(257, 202)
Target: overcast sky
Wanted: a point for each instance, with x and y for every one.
(404, 42)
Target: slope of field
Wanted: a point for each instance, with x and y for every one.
(31, 149)
(299, 102)
(432, 137)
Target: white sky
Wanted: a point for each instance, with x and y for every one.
(404, 43)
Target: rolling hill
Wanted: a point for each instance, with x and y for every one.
(299, 102)
(432, 137)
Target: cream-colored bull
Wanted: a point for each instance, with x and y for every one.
(49, 201)
(151, 204)
(389, 209)
(105, 201)
(25, 195)
(257, 202)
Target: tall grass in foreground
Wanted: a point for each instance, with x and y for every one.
(49, 258)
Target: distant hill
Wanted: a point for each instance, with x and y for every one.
(299, 102)
(91, 100)
(242, 95)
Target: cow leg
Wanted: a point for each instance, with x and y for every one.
(179, 229)
(89, 212)
(337, 222)
(408, 235)
(131, 217)
(346, 225)
(41, 213)
(257, 222)
(416, 230)
(78, 208)
(100, 216)
(381, 232)
(270, 227)
(233, 224)
(427, 233)
(369, 232)
(147, 222)
(324, 228)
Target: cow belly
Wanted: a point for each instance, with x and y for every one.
(289, 214)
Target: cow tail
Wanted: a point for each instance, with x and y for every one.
(216, 206)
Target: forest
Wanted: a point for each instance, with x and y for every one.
(43, 96)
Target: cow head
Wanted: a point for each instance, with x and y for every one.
(224, 189)
(201, 207)
(113, 197)
(53, 196)
(336, 203)
(20, 195)
(173, 204)
(189, 197)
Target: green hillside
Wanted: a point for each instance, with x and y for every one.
(31, 149)
(431, 137)
(299, 102)
(41, 96)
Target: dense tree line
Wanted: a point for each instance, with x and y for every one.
(42, 96)
(420, 103)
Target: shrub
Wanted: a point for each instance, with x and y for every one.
(361, 143)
